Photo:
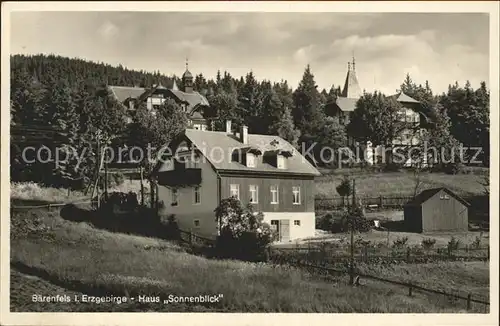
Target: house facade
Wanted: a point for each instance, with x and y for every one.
(345, 104)
(265, 171)
(436, 210)
(191, 101)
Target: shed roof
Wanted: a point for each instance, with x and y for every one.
(429, 193)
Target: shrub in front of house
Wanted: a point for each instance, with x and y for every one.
(400, 242)
(428, 243)
(171, 229)
(243, 234)
(354, 218)
(453, 244)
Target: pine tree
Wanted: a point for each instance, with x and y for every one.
(306, 111)
(280, 120)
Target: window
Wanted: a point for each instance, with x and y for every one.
(254, 194)
(197, 195)
(174, 197)
(234, 189)
(281, 162)
(250, 160)
(296, 195)
(274, 195)
(196, 223)
(296, 222)
(274, 225)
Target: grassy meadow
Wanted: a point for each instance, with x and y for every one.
(394, 184)
(56, 254)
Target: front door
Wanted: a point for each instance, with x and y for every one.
(284, 230)
(275, 228)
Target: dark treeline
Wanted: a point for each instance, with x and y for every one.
(50, 93)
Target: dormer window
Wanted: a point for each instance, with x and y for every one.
(250, 160)
(281, 162)
(247, 156)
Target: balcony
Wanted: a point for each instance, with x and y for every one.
(180, 177)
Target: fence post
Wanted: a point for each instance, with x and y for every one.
(407, 255)
(410, 290)
(190, 238)
(381, 201)
(469, 296)
(466, 248)
(488, 252)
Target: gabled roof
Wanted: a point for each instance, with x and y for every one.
(206, 140)
(429, 193)
(122, 93)
(403, 98)
(346, 104)
(192, 99)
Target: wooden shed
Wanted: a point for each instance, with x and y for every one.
(436, 209)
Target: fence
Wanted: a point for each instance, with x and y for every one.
(48, 206)
(192, 238)
(378, 202)
(381, 254)
(324, 269)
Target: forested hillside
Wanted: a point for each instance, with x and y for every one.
(57, 101)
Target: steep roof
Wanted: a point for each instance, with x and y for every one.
(351, 85)
(192, 99)
(206, 140)
(429, 193)
(346, 104)
(122, 93)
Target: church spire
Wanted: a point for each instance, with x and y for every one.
(187, 80)
(351, 86)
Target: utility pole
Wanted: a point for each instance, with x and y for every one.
(98, 168)
(351, 217)
(105, 158)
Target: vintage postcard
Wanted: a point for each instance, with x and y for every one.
(249, 163)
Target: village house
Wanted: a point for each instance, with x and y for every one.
(191, 101)
(265, 171)
(436, 210)
(345, 104)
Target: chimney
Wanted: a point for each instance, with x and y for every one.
(228, 127)
(244, 134)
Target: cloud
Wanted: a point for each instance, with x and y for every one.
(108, 30)
(440, 48)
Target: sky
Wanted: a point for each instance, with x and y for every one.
(439, 47)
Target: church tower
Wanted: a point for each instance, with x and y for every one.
(187, 80)
(351, 86)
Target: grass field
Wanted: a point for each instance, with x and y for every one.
(31, 193)
(375, 236)
(80, 259)
(399, 183)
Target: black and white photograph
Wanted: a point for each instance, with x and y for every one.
(190, 160)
